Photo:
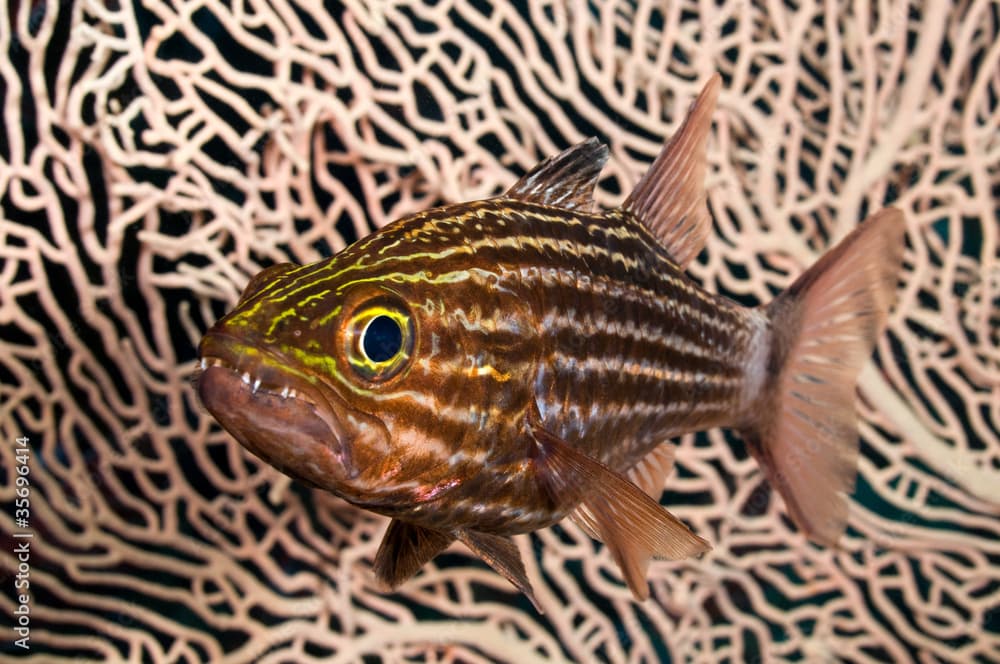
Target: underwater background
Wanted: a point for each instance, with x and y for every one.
(154, 155)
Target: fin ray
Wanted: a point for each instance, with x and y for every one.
(650, 474)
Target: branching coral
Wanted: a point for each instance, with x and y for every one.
(156, 154)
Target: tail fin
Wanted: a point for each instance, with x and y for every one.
(804, 434)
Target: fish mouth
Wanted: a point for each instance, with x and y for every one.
(283, 416)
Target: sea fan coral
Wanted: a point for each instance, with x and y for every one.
(155, 155)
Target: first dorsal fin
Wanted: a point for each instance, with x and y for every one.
(565, 180)
(670, 198)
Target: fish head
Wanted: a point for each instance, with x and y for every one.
(353, 378)
(269, 376)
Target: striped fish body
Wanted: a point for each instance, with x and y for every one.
(613, 345)
(632, 351)
(489, 368)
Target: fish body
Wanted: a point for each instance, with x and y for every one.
(489, 368)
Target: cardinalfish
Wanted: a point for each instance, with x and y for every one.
(487, 369)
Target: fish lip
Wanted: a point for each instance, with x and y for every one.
(264, 375)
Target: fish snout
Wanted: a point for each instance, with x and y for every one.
(277, 415)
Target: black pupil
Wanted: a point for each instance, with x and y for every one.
(383, 339)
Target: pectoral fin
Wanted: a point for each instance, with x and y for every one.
(650, 474)
(404, 550)
(502, 555)
(632, 525)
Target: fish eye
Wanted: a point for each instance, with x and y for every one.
(382, 339)
(379, 341)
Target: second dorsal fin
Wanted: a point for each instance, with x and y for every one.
(670, 198)
(564, 180)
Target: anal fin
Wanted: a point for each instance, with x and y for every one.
(405, 548)
(651, 473)
(634, 527)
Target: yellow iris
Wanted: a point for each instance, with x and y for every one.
(379, 342)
